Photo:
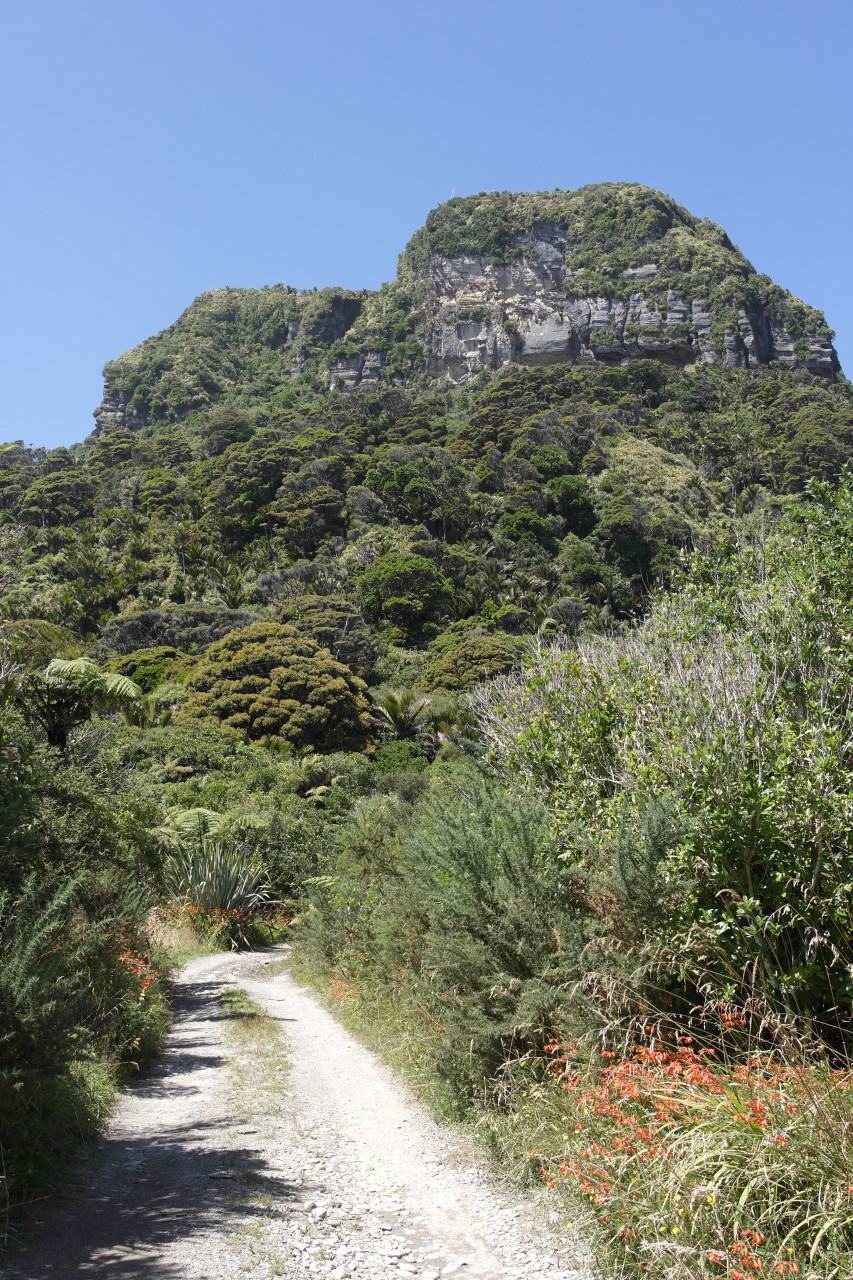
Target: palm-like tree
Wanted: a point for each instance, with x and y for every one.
(70, 691)
(402, 714)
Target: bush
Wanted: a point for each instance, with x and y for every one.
(465, 904)
(399, 756)
(404, 589)
(74, 990)
(337, 625)
(146, 667)
(529, 527)
(188, 629)
(572, 497)
(478, 658)
(268, 681)
(219, 885)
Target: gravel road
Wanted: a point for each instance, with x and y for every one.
(225, 1161)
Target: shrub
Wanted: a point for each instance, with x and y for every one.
(337, 625)
(399, 756)
(464, 904)
(572, 497)
(405, 589)
(146, 667)
(74, 990)
(220, 887)
(189, 629)
(266, 680)
(478, 658)
(529, 527)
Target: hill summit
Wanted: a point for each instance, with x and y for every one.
(606, 274)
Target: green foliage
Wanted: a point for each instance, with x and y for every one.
(73, 987)
(668, 804)
(528, 526)
(399, 755)
(265, 680)
(146, 667)
(215, 875)
(31, 642)
(405, 589)
(226, 339)
(483, 657)
(186, 629)
(48, 1013)
(401, 714)
(573, 502)
(70, 691)
(467, 902)
(730, 704)
(337, 625)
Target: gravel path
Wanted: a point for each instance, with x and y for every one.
(221, 1163)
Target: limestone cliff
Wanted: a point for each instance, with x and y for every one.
(606, 274)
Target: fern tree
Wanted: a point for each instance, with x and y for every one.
(69, 692)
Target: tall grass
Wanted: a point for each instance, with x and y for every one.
(680, 1167)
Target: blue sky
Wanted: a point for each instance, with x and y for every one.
(152, 150)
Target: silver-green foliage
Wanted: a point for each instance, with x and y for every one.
(214, 874)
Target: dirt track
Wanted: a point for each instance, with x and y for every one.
(220, 1163)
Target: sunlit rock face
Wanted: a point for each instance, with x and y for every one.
(483, 315)
(605, 274)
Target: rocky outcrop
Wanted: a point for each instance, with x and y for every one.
(116, 410)
(481, 314)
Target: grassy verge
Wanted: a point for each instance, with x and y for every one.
(669, 1162)
(260, 1063)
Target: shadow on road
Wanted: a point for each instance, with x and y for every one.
(165, 1172)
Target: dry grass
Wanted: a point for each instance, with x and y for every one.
(174, 941)
(260, 1065)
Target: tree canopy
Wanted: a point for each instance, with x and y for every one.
(268, 681)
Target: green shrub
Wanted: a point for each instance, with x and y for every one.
(222, 888)
(266, 680)
(336, 624)
(405, 589)
(466, 904)
(479, 658)
(399, 757)
(147, 667)
(76, 991)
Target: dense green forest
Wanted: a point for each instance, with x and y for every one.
(521, 706)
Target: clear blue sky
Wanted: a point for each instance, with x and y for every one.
(155, 149)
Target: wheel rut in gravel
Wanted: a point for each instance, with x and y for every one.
(224, 1161)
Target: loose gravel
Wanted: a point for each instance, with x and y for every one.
(225, 1161)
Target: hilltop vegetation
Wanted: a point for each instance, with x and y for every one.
(612, 228)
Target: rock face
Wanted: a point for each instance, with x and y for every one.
(483, 315)
(608, 273)
(115, 410)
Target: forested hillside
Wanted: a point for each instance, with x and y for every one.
(495, 651)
